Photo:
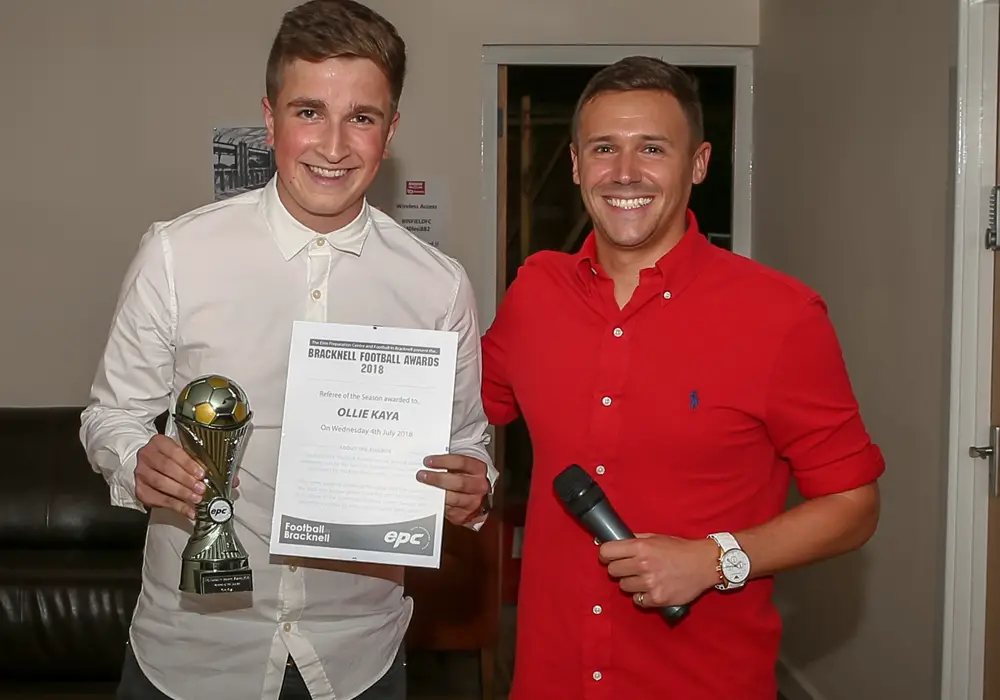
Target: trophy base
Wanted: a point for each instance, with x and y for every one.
(207, 577)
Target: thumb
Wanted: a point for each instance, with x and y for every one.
(643, 535)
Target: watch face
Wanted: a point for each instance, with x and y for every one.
(735, 566)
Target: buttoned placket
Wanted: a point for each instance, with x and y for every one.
(612, 368)
(292, 592)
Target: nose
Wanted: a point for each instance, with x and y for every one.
(334, 145)
(626, 169)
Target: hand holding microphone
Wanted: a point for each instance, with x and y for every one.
(660, 571)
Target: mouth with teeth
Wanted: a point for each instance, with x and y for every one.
(629, 203)
(327, 174)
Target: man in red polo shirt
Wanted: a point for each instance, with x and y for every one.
(692, 384)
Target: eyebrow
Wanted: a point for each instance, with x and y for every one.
(603, 138)
(307, 103)
(366, 109)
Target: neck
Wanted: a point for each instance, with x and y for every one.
(623, 265)
(316, 222)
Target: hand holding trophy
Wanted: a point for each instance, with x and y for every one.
(212, 416)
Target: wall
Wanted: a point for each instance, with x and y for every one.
(852, 184)
(109, 117)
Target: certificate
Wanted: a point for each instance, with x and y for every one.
(364, 405)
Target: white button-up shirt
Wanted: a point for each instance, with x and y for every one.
(216, 291)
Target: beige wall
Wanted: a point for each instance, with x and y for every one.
(108, 120)
(852, 178)
(107, 123)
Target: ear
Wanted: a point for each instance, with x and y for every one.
(699, 164)
(392, 132)
(576, 167)
(268, 120)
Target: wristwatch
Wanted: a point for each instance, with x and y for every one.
(486, 506)
(734, 564)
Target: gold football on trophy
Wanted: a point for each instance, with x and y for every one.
(214, 402)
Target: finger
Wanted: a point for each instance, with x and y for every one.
(177, 454)
(459, 483)
(459, 464)
(461, 501)
(620, 568)
(164, 481)
(169, 467)
(621, 549)
(236, 481)
(635, 584)
(154, 499)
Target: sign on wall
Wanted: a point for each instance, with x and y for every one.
(242, 160)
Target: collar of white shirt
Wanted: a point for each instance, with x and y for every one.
(292, 236)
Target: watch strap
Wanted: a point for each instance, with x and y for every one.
(726, 543)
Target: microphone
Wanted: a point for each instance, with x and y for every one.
(586, 502)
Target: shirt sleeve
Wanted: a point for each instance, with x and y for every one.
(812, 414)
(469, 430)
(498, 391)
(133, 381)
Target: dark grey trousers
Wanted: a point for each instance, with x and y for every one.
(392, 686)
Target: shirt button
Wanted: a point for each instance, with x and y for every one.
(316, 294)
(320, 241)
(666, 295)
(293, 569)
(619, 332)
(287, 627)
(600, 469)
(606, 400)
(597, 675)
(597, 609)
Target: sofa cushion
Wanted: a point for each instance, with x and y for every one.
(52, 497)
(64, 615)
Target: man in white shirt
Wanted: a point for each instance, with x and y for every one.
(216, 291)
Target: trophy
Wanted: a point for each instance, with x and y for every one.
(212, 416)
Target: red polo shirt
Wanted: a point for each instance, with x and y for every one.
(692, 407)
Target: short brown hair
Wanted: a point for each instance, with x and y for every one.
(646, 73)
(322, 29)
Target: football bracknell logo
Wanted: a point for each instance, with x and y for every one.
(416, 187)
(693, 398)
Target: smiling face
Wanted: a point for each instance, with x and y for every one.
(635, 162)
(330, 125)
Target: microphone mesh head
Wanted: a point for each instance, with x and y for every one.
(572, 482)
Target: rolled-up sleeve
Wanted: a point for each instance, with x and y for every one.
(132, 384)
(812, 414)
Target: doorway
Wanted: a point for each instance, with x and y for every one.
(530, 94)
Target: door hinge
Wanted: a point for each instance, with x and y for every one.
(992, 242)
(989, 453)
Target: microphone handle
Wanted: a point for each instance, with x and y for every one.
(603, 522)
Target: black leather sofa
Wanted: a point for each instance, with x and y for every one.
(70, 563)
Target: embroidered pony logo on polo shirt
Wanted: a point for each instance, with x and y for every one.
(693, 399)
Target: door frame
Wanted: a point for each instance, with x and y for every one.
(566, 55)
(964, 601)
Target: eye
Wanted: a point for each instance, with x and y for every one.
(653, 149)
(307, 113)
(362, 119)
(603, 148)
